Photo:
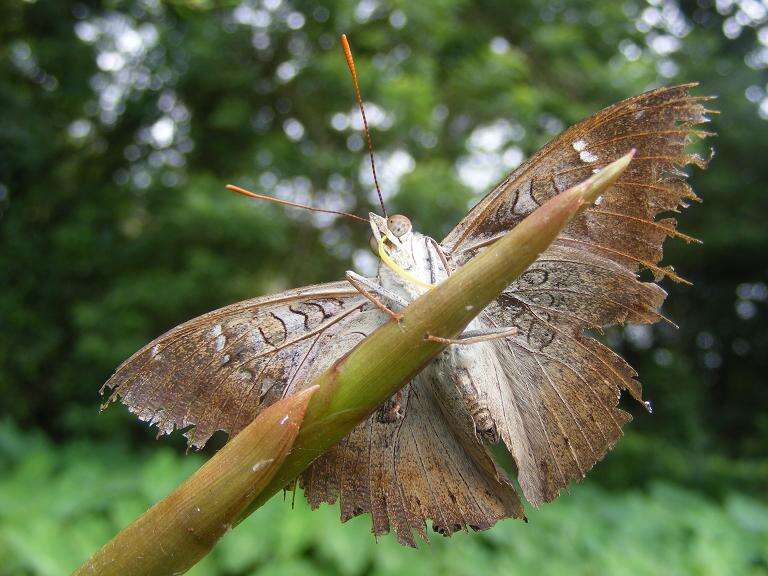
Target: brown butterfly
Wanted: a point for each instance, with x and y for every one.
(525, 373)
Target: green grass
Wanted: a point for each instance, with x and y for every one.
(59, 503)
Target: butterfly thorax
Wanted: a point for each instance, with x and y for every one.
(419, 259)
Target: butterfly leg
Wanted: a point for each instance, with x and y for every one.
(370, 289)
(474, 336)
(441, 255)
(391, 410)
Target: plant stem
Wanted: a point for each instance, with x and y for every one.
(178, 531)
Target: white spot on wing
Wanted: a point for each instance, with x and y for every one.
(245, 375)
(220, 341)
(216, 330)
(579, 145)
(587, 156)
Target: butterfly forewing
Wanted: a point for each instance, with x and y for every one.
(217, 371)
(658, 124)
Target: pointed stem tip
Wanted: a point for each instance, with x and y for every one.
(589, 190)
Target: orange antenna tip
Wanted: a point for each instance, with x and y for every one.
(348, 56)
(244, 192)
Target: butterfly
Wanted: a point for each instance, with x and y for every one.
(527, 373)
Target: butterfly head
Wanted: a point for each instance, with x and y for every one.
(394, 232)
(392, 237)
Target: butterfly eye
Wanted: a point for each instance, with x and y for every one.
(399, 225)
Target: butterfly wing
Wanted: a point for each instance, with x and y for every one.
(555, 392)
(658, 124)
(428, 465)
(217, 371)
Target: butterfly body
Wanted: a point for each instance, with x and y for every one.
(545, 388)
(419, 258)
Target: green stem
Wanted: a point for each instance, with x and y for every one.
(178, 531)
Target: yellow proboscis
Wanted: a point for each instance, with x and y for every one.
(404, 274)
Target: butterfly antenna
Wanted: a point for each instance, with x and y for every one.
(250, 194)
(353, 72)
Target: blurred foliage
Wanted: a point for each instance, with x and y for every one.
(121, 121)
(88, 494)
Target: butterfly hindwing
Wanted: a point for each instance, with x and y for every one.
(427, 465)
(216, 372)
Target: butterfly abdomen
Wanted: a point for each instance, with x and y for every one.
(485, 426)
(484, 423)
